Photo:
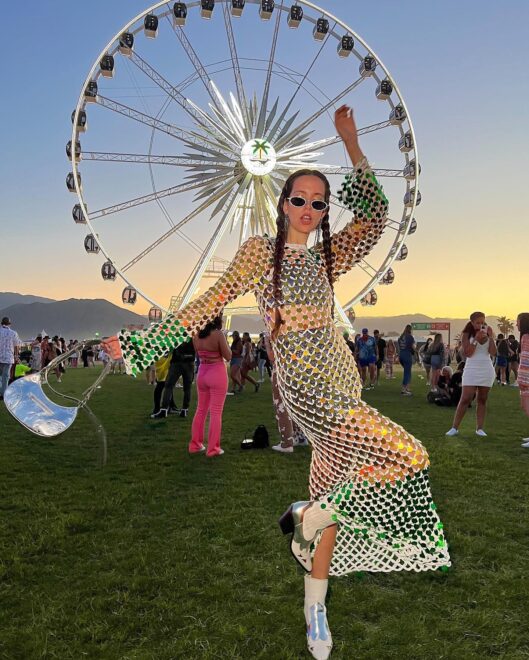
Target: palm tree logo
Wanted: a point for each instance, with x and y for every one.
(260, 148)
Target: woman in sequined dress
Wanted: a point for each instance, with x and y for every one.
(371, 508)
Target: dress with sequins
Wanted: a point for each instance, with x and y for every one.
(370, 471)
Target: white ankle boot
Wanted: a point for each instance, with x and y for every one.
(304, 520)
(319, 640)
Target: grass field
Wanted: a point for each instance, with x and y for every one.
(163, 555)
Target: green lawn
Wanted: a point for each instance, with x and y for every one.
(163, 555)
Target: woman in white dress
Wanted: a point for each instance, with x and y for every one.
(478, 347)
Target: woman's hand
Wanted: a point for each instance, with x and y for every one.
(112, 347)
(481, 336)
(346, 127)
(345, 124)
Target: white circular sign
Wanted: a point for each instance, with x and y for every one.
(258, 156)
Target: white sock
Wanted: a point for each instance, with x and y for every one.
(315, 591)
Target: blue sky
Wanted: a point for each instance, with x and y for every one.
(462, 68)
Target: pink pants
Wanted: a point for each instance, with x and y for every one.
(212, 385)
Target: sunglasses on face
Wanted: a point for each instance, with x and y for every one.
(316, 204)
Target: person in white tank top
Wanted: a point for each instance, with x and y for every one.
(478, 347)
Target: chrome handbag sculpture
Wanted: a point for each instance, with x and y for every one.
(27, 402)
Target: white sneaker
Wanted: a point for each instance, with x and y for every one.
(284, 450)
(481, 433)
(453, 431)
(525, 443)
(515, 384)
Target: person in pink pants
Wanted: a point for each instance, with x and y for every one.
(212, 384)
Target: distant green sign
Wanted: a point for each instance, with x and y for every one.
(421, 326)
(431, 326)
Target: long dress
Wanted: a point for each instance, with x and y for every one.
(368, 470)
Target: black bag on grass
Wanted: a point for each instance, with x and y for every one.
(259, 439)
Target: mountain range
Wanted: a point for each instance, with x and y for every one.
(71, 319)
(82, 318)
(8, 298)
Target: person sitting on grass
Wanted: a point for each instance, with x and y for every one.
(449, 386)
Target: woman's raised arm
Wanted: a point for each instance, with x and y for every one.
(362, 194)
(141, 348)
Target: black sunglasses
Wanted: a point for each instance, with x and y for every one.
(316, 204)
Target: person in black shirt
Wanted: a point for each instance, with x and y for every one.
(514, 360)
(182, 364)
(381, 345)
(502, 359)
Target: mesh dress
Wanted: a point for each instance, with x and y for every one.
(369, 471)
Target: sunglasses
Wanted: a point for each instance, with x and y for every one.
(316, 204)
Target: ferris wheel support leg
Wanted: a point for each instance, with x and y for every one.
(340, 313)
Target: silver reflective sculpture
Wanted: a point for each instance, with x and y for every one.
(26, 401)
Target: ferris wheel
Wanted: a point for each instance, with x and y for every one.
(199, 111)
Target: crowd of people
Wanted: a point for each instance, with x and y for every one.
(204, 357)
(451, 373)
(20, 358)
(444, 369)
(249, 362)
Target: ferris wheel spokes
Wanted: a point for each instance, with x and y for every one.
(175, 228)
(316, 115)
(194, 59)
(239, 86)
(217, 141)
(266, 90)
(188, 137)
(205, 162)
(201, 266)
(273, 134)
(151, 197)
(190, 108)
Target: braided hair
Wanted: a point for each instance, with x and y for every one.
(281, 238)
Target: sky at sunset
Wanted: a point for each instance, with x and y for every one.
(461, 68)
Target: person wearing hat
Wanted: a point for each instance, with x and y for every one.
(9, 343)
(367, 355)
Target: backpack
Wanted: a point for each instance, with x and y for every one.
(259, 439)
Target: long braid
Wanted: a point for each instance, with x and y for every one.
(329, 256)
(279, 252)
(281, 238)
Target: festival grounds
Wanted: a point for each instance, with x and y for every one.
(161, 555)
